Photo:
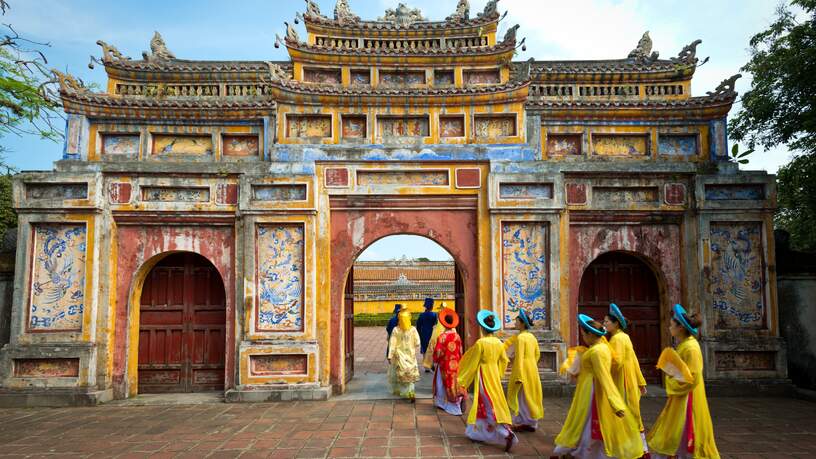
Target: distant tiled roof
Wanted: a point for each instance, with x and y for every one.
(193, 66)
(96, 104)
(692, 102)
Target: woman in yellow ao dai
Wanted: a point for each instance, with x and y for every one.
(402, 348)
(524, 395)
(626, 374)
(684, 429)
(483, 366)
(598, 424)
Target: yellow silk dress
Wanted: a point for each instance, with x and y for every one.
(427, 359)
(621, 438)
(627, 375)
(485, 363)
(524, 374)
(666, 434)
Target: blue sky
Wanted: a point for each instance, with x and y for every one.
(239, 30)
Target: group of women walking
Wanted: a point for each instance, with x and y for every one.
(604, 418)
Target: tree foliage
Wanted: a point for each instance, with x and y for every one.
(29, 102)
(780, 109)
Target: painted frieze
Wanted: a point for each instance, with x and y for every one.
(736, 281)
(120, 144)
(296, 192)
(56, 190)
(682, 145)
(620, 145)
(624, 195)
(240, 145)
(401, 78)
(308, 126)
(361, 77)
(46, 368)
(199, 145)
(451, 126)
(524, 271)
(404, 178)
(404, 126)
(745, 360)
(175, 194)
(564, 144)
(443, 78)
(279, 365)
(493, 126)
(739, 192)
(525, 190)
(474, 77)
(279, 261)
(321, 76)
(354, 127)
(57, 277)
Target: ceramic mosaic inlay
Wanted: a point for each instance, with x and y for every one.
(525, 190)
(120, 144)
(198, 145)
(175, 194)
(361, 77)
(736, 282)
(524, 271)
(624, 195)
(401, 78)
(564, 144)
(748, 192)
(279, 192)
(240, 145)
(56, 190)
(620, 145)
(322, 76)
(443, 78)
(308, 126)
(677, 145)
(280, 277)
(406, 178)
(57, 277)
(494, 126)
(279, 365)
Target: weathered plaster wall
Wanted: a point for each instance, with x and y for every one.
(797, 315)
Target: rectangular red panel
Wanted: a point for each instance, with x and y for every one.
(468, 178)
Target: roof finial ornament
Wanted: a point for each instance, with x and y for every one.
(109, 54)
(726, 87)
(402, 16)
(510, 35)
(643, 51)
(343, 14)
(312, 9)
(491, 10)
(688, 55)
(68, 83)
(158, 49)
(291, 33)
(462, 12)
(276, 72)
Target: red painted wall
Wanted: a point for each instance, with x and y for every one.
(657, 245)
(138, 244)
(453, 229)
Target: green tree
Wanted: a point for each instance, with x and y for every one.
(780, 109)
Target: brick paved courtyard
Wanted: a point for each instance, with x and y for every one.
(746, 428)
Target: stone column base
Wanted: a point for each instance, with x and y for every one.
(53, 397)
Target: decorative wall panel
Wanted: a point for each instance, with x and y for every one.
(481, 77)
(452, 126)
(620, 145)
(296, 192)
(361, 77)
(408, 126)
(56, 190)
(677, 144)
(405, 178)
(524, 271)
(737, 278)
(240, 145)
(279, 365)
(354, 126)
(443, 78)
(57, 277)
(564, 144)
(171, 144)
(337, 177)
(46, 368)
(494, 126)
(525, 190)
(120, 144)
(747, 192)
(308, 126)
(401, 78)
(624, 195)
(322, 76)
(745, 360)
(175, 194)
(279, 260)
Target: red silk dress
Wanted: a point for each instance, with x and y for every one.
(446, 356)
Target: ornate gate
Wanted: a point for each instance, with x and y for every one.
(182, 326)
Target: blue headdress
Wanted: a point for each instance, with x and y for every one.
(615, 312)
(681, 316)
(585, 320)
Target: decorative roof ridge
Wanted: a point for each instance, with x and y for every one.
(169, 101)
(401, 18)
(710, 99)
(395, 91)
(499, 47)
(189, 65)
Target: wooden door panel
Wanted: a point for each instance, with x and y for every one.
(348, 324)
(182, 327)
(626, 281)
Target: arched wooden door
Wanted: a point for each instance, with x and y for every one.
(182, 326)
(348, 324)
(625, 280)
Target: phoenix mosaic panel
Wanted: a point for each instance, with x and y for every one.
(736, 275)
(57, 278)
(524, 270)
(279, 261)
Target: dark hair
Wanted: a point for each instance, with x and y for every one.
(489, 321)
(595, 324)
(694, 319)
(615, 319)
